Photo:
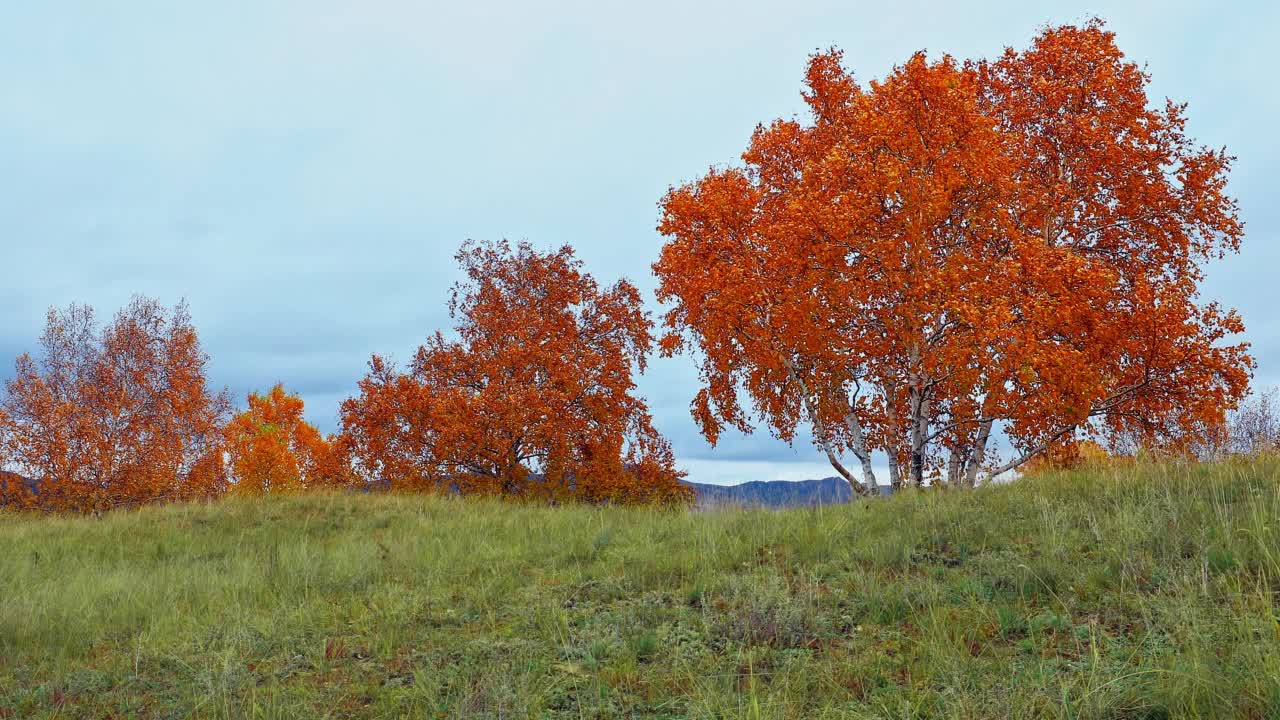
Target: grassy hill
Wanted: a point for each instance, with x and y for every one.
(1139, 593)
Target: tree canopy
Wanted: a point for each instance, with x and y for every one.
(272, 448)
(118, 415)
(535, 397)
(958, 250)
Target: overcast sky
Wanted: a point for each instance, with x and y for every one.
(302, 172)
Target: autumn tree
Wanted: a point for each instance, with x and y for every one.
(118, 415)
(534, 398)
(272, 448)
(960, 250)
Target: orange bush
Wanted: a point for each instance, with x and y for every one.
(273, 449)
(1086, 453)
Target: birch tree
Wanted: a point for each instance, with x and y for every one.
(960, 251)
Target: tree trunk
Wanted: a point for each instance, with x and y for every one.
(824, 440)
(919, 433)
(954, 463)
(857, 487)
(979, 453)
(860, 449)
(895, 471)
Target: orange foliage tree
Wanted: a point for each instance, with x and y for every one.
(273, 449)
(120, 415)
(960, 250)
(534, 399)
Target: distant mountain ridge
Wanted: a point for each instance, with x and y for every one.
(777, 493)
(758, 493)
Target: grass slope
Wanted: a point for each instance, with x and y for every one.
(1142, 593)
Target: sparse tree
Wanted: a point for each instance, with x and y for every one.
(1254, 427)
(112, 416)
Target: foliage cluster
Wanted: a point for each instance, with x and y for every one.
(535, 399)
(960, 250)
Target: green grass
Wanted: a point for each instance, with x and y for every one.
(1141, 593)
